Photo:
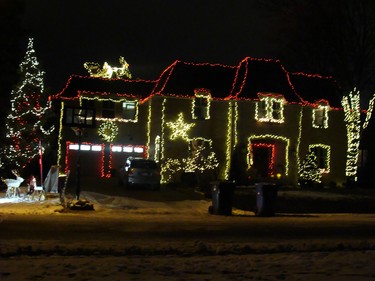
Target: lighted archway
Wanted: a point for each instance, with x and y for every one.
(274, 137)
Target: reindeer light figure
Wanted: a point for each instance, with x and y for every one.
(108, 71)
(13, 185)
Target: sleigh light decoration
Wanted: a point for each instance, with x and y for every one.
(108, 71)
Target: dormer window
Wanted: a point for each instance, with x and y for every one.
(129, 110)
(201, 104)
(270, 108)
(320, 116)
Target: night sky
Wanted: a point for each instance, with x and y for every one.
(149, 34)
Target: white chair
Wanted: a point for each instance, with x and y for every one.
(39, 193)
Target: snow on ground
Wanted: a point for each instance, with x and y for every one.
(309, 266)
(291, 262)
(103, 204)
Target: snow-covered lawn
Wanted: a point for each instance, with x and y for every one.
(159, 261)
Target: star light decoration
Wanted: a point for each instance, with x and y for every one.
(180, 128)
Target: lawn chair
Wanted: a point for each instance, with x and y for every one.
(38, 193)
(50, 185)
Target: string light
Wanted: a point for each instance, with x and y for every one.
(149, 128)
(180, 128)
(351, 105)
(327, 149)
(88, 146)
(200, 159)
(108, 131)
(24, 126)
(309, 171)
(369, 112)
(157, 149)
(321, 110)
(121, 100)
(273, 111)
(269, 136)
(162, 155)
(59, 139)
(201, 96)
(108, 71)
(271, 160)
(299, 137)
(231, 137)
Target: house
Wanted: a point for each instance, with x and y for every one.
(251, 121)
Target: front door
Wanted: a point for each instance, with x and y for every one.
(263, 159)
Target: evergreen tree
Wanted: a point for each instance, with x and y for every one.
(24, 124)
(309, 172)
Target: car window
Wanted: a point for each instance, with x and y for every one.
(143, 164)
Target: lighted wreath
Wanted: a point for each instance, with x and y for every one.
(108, 131)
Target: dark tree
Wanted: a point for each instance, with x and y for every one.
(11, 51)
(335, 37)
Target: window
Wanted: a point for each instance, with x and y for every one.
(277, 110)
(201, 104)
(108, 109)
(320, 117)
(262, 109)
(129, 110)
(270, 109)
(323, 154)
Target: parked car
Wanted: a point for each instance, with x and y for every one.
(140, 172)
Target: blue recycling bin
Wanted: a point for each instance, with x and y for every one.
(266, 197)
(222, 198)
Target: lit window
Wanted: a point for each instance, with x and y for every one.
(117, 148)
(201, 104)
(85, 147)
(320, 117)
(138, 149)
(73, 146)
(128, 149)
(129, 110)
(323, 155)
(270, 109)
(96, 148)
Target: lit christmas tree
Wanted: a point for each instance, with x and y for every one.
(309, 172)
(24, 124)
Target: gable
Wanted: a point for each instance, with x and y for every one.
(182, 78)
(313, 88)
(262, 75)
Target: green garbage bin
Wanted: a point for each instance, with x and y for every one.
(266, 197)
(222, 198)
